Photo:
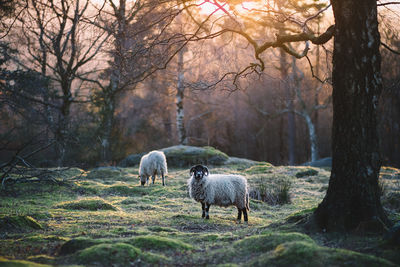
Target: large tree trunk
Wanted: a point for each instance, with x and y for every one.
(353, 195)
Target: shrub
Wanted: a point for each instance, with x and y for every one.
(273, 190)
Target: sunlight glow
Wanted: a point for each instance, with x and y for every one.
(208, 7)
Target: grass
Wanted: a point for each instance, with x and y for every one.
(98, 219)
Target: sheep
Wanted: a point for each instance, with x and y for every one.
(152, 164)
(218, 189)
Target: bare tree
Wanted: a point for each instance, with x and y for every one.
(142, 43)
(58, 44)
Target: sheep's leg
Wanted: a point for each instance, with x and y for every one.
(162, 176)
(207, 209)
(239, 217)
(147, 180)
(153, 177)
(245, 215)
(203, 206)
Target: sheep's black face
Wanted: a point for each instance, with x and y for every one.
(142, 179)
(199, 171)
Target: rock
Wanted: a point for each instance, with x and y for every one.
(241, 161)
(183, 156)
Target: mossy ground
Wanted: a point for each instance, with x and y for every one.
(94, 219)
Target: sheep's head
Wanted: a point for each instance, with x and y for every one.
(143, 179)
(199, 171)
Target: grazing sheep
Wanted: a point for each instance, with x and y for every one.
(218, 189)
(152, 164)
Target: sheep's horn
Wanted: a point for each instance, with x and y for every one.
(206, 172)
(192, 170)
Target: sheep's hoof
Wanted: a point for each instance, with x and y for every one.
(203, 215)
(238, 221)
(246, 223)
(207, 217)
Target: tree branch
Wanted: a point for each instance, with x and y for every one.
(390, 49)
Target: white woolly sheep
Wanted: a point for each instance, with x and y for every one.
(218, 189)
(152, 164)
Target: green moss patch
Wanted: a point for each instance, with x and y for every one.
(306, 173)
(268, 241)
(87, 204)
(18, 224)
(260, 168)
(301, 253)
(19, 263)
(158, 243)
(77, 244)
(43, 259)
(117, 254)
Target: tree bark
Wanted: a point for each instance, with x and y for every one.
(353, 194)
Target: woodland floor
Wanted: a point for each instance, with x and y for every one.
(105, 218)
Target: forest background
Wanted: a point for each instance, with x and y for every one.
(86, 83)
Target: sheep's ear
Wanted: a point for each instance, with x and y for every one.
(205, 170)
(192, 170)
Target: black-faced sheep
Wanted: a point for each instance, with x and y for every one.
(218, 189)
(152, 164)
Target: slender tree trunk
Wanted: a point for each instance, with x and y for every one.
(61, 134)
(305, 113)
(291, 126)
(317, 71)
(107, 126)
(312, 135)
(110, 93)
(180, 124)
(353, 196)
